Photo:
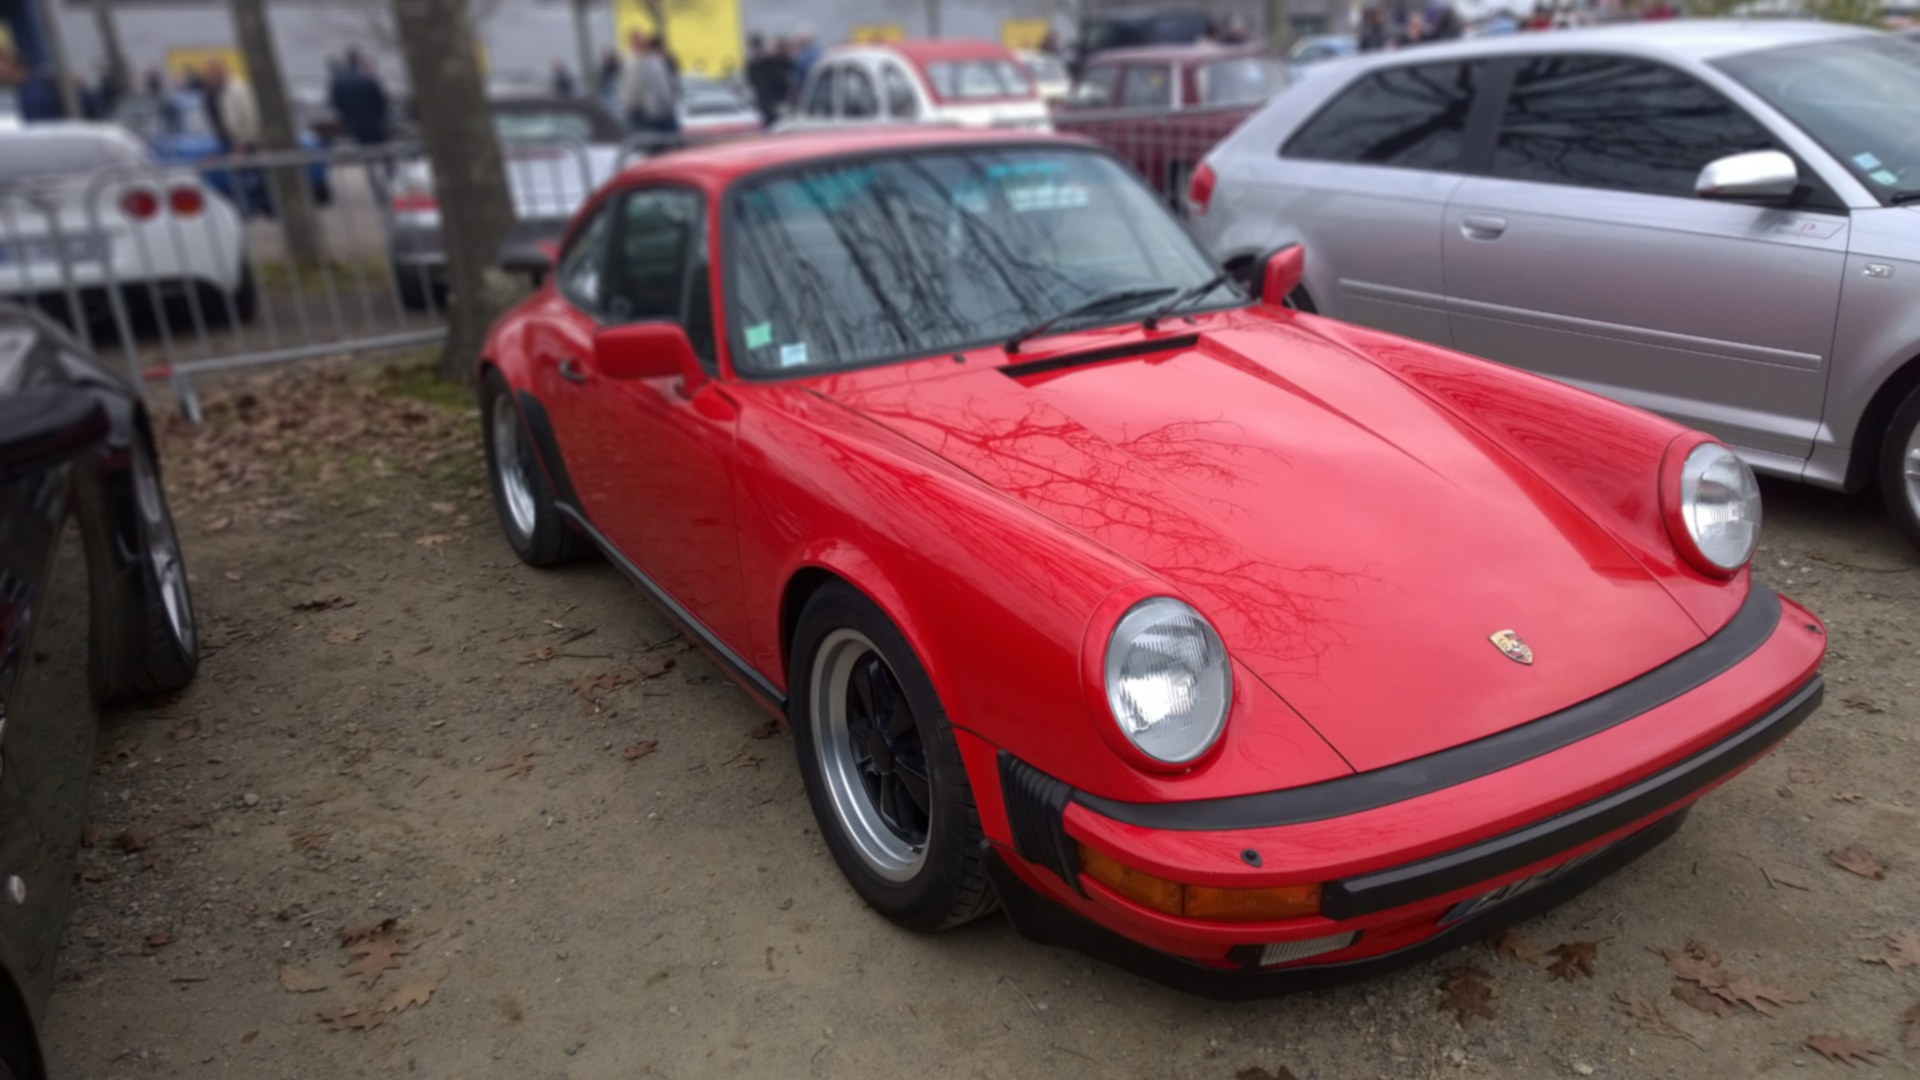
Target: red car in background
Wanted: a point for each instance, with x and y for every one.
(1163, 107)
(1234, 646)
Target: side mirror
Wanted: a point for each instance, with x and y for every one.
(534, 259)
(1280, 275)
(1762, 174)
(647, 350)
(42, 428)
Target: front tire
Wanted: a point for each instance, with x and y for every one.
(1900, 467)
(881, 767)
(522, 497)
(168, 649)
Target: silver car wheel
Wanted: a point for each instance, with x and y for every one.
(1912, 469)
(870, 756)
(163, 548)
(510, 463)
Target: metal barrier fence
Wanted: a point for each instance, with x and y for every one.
(188, 269)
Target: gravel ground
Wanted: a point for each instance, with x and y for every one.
(598, 860)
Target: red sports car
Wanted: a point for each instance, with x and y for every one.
(1232, 645)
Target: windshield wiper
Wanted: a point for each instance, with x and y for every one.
(1906, 196)
(1187, 296)
(1114, 299)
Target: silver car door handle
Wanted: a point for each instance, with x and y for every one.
(570, 370)
(1483, 226)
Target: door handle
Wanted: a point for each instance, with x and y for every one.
(1482, 226)
(570, 370)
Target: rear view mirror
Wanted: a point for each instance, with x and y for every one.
(1763, 175)
(647, 350)
(1280, 275)
(39, 429)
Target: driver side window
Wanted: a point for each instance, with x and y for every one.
(581, 277)
(658, 268)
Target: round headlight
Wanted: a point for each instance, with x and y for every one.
(1720, 503)
(1168, 680)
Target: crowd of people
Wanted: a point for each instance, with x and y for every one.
(1382, 29)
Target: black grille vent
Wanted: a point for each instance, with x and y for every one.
(1036, 803)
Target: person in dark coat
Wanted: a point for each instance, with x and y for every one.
(360, 102)
(770, 74)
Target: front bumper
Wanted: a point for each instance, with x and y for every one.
(1397, 851)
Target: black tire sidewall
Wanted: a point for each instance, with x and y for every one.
(1893, 480)
(166, 660)
(936, 896)
(552, 541)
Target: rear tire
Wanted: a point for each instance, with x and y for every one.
(1900, 467)
(529, 516)
(882, 769)
(169, 648)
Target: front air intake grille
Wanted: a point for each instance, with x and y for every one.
(1036, 804)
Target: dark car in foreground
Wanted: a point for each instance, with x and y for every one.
(94, 606)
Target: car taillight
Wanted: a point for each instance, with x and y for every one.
(186, 202)
(1200, 189)
(413, 200)
(140, 204)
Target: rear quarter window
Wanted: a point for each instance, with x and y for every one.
(1411, 117)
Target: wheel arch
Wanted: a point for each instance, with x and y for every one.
(1869, 434)
(839, 561)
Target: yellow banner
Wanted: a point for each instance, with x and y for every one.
(877, 33)
(182, 57)
(1024, 33)
(703, 35)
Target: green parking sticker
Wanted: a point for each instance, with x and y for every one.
(759, 336)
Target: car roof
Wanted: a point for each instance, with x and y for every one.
(933, 50)
(1175, 53)
(719, 164)
(1696, 40)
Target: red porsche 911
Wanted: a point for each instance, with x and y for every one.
(1234, 646)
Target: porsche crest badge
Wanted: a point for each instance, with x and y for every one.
(1509, 642)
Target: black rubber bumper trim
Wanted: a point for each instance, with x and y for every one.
(1036, 804)
(1510, 851)
(1040, 919)
(1750, 628)
(541, 429)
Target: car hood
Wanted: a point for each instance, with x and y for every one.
(1356, 545)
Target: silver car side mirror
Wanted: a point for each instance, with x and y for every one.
(1761, 174)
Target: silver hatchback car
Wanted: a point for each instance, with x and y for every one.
(1718, 221)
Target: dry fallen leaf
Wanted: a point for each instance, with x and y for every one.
(345, 635)
(1466, 992)
(92, 835)
(641, 749)
(1255, 1072)
(407, 996)
(307, 841)
(352, 934)
(249, 1036)
(1648, 1015)
(745, 761)
(374, 955)
(345, 1019)
(1911, 1018)
(1514, 942)
(1856, 859)
(1804, 774)
(1844, 1049)
(764, 730)
(325, 603)
(592, 686)
(652, 667)
(1849, 797)
(298, 980)
(185, 729)
(219, 523)
(133, 840)
(159, 938)
(1759, 996)
(1573, 957)
(432, 541)
(1705, 1000)
(1863, 704)
(541, 654)
(1698, 964)
(1903, 950)
(441, 507)
(517, 763)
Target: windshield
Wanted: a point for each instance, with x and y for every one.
(538, 122)
(1245, 80)
(962, 80)
(1859, 98)
(933, 252)
(701, 97)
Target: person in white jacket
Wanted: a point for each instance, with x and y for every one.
(239, 115)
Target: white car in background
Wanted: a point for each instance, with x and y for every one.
(976, 84)
(711, 109)
(1049, 74)
(85, 208)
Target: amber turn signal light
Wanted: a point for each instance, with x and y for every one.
(1199, 901)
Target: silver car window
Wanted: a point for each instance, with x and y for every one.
(580, 278)
(1618, 123)
(1411, 117)
(902, 102)
(858, 101)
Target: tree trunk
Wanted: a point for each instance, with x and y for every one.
(1279, 26)
(62, 70)
(583, 41)
(292, 201)
(469, 177)
(119, 77)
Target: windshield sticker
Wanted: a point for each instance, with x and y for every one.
(793, 355)
(1885, 177)
(759, 336)
(1026, 200)
(1866, 161)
